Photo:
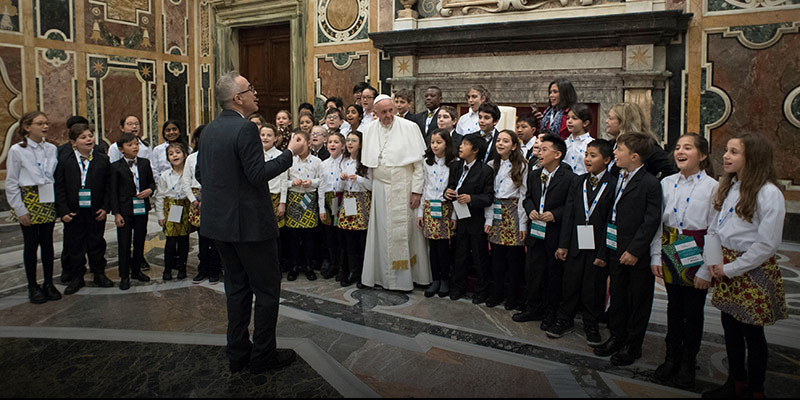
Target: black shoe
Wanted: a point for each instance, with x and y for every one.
(102, 280)
(432, 289)
(494, 301)
(548, 322)
(282, 358)
(329, 271)
(456, 294)
(125, 284)
(511, 305)
(181, 274)
(672, 361)
(611, 346)
(36, 295)
(200, 277)
(478, 298)
(341, 274)
(145, 266)
(627, 355)
(213, 279)
(310, 275)
(51, 292)
(167, 275)
(351, 278)
(529, 315)
(66, 277)
(74, 285)
(292, 275)
(238, 366)
(560, 328)
(687, 371)
(444, 288)
(593, 338)
(726, 391)
(140, 277)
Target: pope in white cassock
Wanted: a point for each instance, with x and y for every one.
(396, 251)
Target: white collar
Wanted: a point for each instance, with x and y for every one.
(438, 160)
(581, 138)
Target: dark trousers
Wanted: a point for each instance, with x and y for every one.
(508, 264)
(631, 300)
(584, 287)
(301, 245)
(736, 335)
(355, 243)
(478, 246)
(84, 237)
(285, 248)
(440, 259)
(685, 313)
(543, 275)
(176, 251)
(38, 236)
(208, 256)
(320, 239)
(135, 229)
(251, 269)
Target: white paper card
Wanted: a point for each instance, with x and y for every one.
(712, 250)
(585, 237)
(350, 206)
(335, 206)
(175, 213)
(462, 210)
(47, 193)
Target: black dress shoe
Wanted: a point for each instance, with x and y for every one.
(310, 275)
(200, 277)
(329, 271)
(140, 277)
(548, 322)
(36, 295)
(51, 292)
(181, 274)
(511, 305)
(167, 276)
(627, 355)
(102, 280)
(145, 266)
(238, 366)
(456, 294)
(213, 279)
(282, 358)
(560, 328)
(494, 301)
(352, 277)
(726, 391)
(125, 284)
(478, 298)
(611, 346)
(66, 277)
(432, 289)
(74, 285)
(341, 274)
(529, 315)
(292, 275)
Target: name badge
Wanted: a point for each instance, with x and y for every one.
(84, 198)
(306, 201)
(138, 207)
(688, 252)
(462, 210)
(585, 237)
(47, 193)
(350, 206)
(498, 211)
(436, 209)
(611, 237)
(538, 229)
(175, 213)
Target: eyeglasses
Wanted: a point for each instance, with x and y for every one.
(249, 89)
(131, 124)
(367, 97)
(350, 140)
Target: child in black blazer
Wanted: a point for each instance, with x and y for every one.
(471, 183)
(582, 235)
(83, 200)
(132, 184)
(633, 222)
(548, 187)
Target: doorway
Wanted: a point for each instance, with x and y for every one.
(264, 59)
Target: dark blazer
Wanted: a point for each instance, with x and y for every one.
(123, 189)
(68, 182)
(658, 163)
(235, 179)
(479, 184)
(574, 214)
(323, 153)
(492, 148)
(420, 118)
(638, 218)
(554, 201)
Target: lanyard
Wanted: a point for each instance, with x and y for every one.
(463, 176)
(39, 163)
(544, 191)
(724, 217)
(504, 172)
(350, 183)
(623, 183)
(586, 209)
(84, 169)
(136, 177)
(688, 199)
(177, 183)
(488, 147)
(439, 179)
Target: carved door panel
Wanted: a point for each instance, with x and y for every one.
(264, 59)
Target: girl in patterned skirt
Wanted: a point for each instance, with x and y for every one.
(302, 208)
(506, 221)
(279, 185)
(330, 199)
(354, 211)
(172, 211)
(748, 288)
(30, 191)
(434, 217)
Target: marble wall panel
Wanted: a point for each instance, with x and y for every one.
(9, 16)
(337, 73)
(757, 81)
(175, 23)
(56, 84)
(385, 15)
(339, 21)
(120, 23)
(176, 93)
(55, 19)
(10, 95)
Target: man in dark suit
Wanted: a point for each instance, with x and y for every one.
(234, 175)
(428, 118)
(543, 272)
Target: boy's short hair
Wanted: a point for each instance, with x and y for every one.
(334, 111)
(77, 119)
(603, 146)
(492, 109)
(405, 94)
(530, 120)
(637, 143)
(337, 102)
(306, 106)
(476, 141)
(359, 87)
(270, 126)
(125, 137)
(450, 110)
(77, 129)
(558, 144)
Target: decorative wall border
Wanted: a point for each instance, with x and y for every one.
(170, 50)
(792, 98)
(741, 33)
(340, 65)
(19, 97)
(20, 29)
(137, 11)
(326, 35)
(708, 91)
(725, 7)
(63, 36)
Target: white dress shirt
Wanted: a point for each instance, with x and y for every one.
(688, 204)
(527, 148)
(468, 123)
(307, 169)
(345, 128)
(188, 180)
(759, 240)
(576, 152)
(330, 179)
(362, 184)
(436, 179)
(169, 185)
(280, 183)
(504, 188)
(32, 165)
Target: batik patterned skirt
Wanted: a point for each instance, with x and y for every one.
(276, 201)
(302, 210)
(333, 217)
(194, 211)
(183, 228)
(39, 213)
(437, 228)
(360, 221)
(506, 231)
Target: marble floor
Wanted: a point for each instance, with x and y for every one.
(167, 339)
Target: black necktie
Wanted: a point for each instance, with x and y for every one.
(131, 163)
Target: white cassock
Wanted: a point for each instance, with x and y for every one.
(396, 254)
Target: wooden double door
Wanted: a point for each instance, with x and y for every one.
(265, 60)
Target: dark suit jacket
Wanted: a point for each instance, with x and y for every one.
(420, 118)
(323, 153)
(123, 189)
(235, 179)
(574, 214)
(492, 148)
(479, 184)
(68, 182)
(658, 163)
(554, 202)
(638, 218)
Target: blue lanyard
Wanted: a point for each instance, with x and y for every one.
(688, 199)
(622, 184)
(586, 209)
(177, 183)
(84, 170)
(463, 176)
(136, 177)
(504, 172)
(439, 179)
(544, 190)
